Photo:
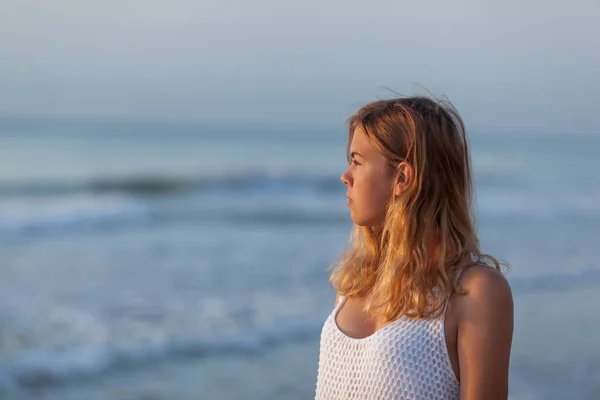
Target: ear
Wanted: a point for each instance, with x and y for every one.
(404, 174)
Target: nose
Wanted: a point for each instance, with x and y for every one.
(346, 178)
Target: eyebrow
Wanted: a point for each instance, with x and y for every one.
(356, 153)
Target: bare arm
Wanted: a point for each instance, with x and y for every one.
(485, 331)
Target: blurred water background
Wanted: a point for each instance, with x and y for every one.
(170, 196)
(155, 260)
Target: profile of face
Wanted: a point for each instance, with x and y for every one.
(370, 182)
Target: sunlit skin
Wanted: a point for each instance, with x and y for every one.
(369, 182)
(478, 325)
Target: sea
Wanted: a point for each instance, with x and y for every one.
(161, 259)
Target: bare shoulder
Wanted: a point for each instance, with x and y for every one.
(488, 301)
(485, 329)
(485, 286)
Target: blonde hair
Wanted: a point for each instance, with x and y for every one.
(408, 266)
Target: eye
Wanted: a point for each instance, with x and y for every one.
(354, 162)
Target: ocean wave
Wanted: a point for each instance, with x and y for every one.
(32, 215)
(253, 182)
(91, 215)
(41, 368)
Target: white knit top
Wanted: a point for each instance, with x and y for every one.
(406, 359)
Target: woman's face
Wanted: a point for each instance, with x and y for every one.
(369, 181)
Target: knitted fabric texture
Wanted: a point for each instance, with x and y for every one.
(406, 359)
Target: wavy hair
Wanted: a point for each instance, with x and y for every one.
(408, 266)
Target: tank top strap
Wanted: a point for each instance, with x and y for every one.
(341, 300)
(448, 298)
(459, 272)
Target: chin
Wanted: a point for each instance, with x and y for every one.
(360, 221)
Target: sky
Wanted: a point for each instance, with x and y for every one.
(506, 65)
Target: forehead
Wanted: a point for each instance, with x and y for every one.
(361, 143)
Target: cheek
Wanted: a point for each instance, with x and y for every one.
(380, 195)
(379, 186)
(375, 192)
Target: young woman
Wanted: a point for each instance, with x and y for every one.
(420, 312)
